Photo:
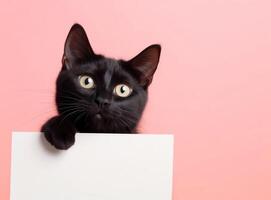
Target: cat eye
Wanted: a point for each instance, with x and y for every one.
(122, 90)
(86, 82)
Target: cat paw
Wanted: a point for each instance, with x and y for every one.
(59, 133)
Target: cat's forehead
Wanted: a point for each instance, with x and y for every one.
(98, 66)
(107, 64)
(106, 68)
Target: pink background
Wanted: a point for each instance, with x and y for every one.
(212, 88)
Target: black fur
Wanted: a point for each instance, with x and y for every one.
(98, 110)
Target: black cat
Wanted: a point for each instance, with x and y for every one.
(98, 94)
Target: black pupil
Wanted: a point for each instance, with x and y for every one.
(87, 81)
(122, 90)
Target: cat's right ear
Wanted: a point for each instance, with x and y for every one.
(77, 47)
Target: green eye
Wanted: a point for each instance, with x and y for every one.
(86, 82)
(122, 90)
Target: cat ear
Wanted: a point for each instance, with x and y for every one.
(145, 64)
(77, 46)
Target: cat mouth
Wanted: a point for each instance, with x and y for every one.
(98, 115)
(101, 114)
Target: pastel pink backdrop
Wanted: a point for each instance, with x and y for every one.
(212, 89)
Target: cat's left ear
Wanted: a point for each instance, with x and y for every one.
(145, 64)
(77, 47)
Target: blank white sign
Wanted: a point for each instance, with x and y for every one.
(97, 167)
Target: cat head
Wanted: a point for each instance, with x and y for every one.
(103, 94)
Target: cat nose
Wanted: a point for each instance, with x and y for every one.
(102, 101)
